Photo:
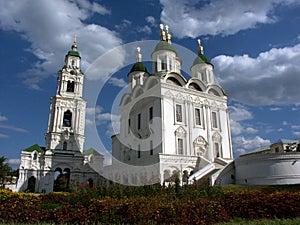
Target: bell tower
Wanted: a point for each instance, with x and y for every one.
(67, 109)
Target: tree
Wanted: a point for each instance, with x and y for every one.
(5, 169)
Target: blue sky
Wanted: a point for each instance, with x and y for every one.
(254, 46)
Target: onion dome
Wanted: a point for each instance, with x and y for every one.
(74, 51)
(165, 40)
(201, 58)
(138, 66)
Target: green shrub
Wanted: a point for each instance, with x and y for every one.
(117, 204)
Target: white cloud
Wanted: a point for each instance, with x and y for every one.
(285, 123)
(13, 161)
(109, 120)
(93, 111)
(295, 109)
(3, 136)
(239, 112)
(242, 145)
(297, 134)
(275, 109)
(270, 79)
(125, 24)
(103, 118)
(242, 139)
(235, 127)
(251, 130)
(117, 82)
(145, 29)
(49, 27)
(93, 7)
(13, 128)
(9, 127)
(150, 20)
(225, 17)
(3, 118)
(296, 127)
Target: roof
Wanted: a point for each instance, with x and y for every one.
(34, 147)
(138, 66)
(201, 59)
(74, 53)
(286, 141)
(90, 152)
(164, 45)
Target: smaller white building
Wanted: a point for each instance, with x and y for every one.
(63, 161)
(277, 165)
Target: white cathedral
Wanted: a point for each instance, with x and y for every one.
(171, 127)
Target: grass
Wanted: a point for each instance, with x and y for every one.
(264, 188)
(294, 221)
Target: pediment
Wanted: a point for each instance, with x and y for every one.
(200, 141)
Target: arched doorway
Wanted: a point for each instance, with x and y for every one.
(62, 179)
(31, 184)
(91, 182)
(67, 173)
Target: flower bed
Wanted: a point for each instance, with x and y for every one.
(194, 204)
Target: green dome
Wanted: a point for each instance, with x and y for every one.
(164, 45)
(34, 147)
(138, 66)
(201, 59)
(73, 53)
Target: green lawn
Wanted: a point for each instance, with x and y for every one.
(295, 221)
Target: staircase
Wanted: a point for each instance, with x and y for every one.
(207, 173)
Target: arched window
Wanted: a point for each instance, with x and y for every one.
(35, 156)
(217, 140)
(172, 80)
(194, 86)
(67, 120)
(65, 145)
(213, 92)
(180, 135)
(167, 175)
(91, 182)
(70, 86)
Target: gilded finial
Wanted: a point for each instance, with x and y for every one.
(168, 36)
(162, 32)
(161, 27)
(74, 46)
(200, 48)
(138, 55)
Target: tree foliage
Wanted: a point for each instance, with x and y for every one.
(5, 170)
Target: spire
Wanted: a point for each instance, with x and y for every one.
(138, 55)
(164, 35)
(168, 36)
(200, 48)
(73, 51)
(162, 32)
(74, 46)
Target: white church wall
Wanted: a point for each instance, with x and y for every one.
(268, 169)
